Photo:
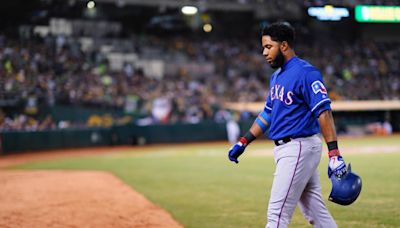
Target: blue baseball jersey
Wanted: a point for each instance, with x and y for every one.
(297, 96)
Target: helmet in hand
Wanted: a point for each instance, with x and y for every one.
(345, 190)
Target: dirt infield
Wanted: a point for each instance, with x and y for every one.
(74, 199)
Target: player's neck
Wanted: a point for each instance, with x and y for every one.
(289, 55)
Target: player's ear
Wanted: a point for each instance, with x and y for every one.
(284, 46)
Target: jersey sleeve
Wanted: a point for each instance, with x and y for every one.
(268, 105)
(315, 93)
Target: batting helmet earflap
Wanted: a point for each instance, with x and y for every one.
(345, 190)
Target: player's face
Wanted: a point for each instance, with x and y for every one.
(272, 52)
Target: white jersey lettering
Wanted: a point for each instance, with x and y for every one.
(289, 99)
(281, 93)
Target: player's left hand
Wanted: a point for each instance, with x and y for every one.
(235, 151)
(336, 166)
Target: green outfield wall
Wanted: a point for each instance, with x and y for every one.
(18, 141)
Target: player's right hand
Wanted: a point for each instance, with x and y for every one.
(336, 166)
(235, 151)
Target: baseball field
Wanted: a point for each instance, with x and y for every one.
(199, 187)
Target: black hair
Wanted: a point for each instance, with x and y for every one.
(280, 31)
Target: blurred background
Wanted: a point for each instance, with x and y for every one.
(112, 72)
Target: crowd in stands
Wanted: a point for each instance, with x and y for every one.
(55, 70)
(362, 70)
(27, 123)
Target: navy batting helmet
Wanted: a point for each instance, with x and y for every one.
(346, 189)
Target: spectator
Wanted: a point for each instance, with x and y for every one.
(56, 71)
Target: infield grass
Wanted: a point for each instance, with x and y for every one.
(201, 188)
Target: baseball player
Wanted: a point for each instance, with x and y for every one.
(296, 110)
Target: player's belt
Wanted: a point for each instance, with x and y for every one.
(282, 141)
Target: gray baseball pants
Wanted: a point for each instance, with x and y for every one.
(296, 181)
